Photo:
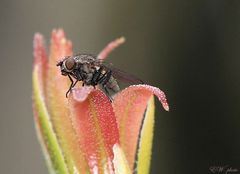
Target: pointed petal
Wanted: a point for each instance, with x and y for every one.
(129, 107)
(95, 124)
(40, 60)
(57, 104)
(60, 47)
(110, 47)
(45, 132)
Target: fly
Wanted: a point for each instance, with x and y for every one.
(92, 72)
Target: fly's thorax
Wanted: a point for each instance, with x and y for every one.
(88, 79)
(84, 58)
(97, 67)
(86, 72)
(86, 68)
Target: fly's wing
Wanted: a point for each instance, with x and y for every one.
(123, 76)
(116, 73)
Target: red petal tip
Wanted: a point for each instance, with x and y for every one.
(39, 52)
(110, 47)
(156, 91)
(38, 37)
(166, 107)
(81, 94)
(37, 41)
(61, 47)
(59, 32)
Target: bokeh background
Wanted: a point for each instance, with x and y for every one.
(189, 49)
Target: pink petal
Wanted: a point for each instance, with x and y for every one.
(40, 60)
(57, 103)
(96, 127)
(60, 47)
(110, 47)
(129, 107)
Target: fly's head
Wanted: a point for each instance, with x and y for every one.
(67, 65)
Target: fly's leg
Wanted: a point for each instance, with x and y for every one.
(71, 86)
(105, 78)
(99, 78)
(96, 76)
(74, 83)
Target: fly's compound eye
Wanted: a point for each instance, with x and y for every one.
(69, 64)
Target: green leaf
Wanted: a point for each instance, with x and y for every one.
(46, 134)
(145, 143)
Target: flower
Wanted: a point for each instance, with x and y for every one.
(86, 133)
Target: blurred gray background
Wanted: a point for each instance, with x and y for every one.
(189, 49)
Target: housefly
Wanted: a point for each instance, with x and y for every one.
(92, 72)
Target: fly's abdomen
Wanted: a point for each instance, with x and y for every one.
(112, 84)
(103, 76)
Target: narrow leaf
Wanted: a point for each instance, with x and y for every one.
(145, 141)
(46, 135)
